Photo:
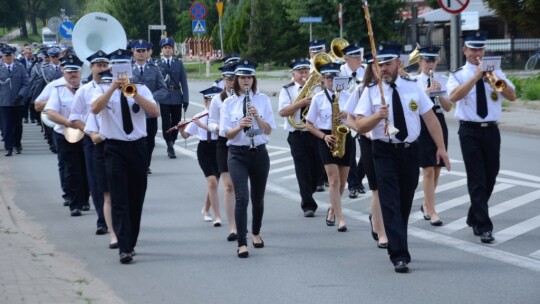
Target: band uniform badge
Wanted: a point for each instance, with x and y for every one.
(494, 96)
(413, 105)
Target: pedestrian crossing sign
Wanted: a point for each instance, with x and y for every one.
(198, 26)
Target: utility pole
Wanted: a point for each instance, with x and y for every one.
(161, 15)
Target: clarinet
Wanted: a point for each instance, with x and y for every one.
(249, 130)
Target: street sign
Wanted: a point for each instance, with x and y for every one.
(198, 26)
(310, 19)
(453, 6)
(66, 29)
(198, 11)
(54, 23)
(470, 21)
(157, 27)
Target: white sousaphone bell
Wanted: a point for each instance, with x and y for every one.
(93, 32)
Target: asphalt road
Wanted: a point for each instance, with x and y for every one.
(181, 259)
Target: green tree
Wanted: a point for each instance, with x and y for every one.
(521, 15)
(10, 13)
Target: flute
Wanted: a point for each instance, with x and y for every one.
(184, 123)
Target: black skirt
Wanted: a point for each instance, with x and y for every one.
(326, 155)
(99, 167)
(206, 155)
(367, 161)
(222, 154)
(427, 148)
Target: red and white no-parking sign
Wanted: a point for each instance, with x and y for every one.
(454, 6)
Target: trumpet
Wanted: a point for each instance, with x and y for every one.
(494, 82)
(184, 123)
(128, 89)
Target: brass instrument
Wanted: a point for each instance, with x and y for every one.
(249, 130)
(494, 82)
(128, 89)
(436, 100)
(336, 49)
(414, 56)
(313, 82)
(339, 130)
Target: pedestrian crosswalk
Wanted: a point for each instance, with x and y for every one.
(514, 206)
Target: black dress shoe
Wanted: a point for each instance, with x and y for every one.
(9, 153)
(426, 217)
(232, 237)
(342, 228)
(401, 267)
(76, 212)
(320, 188)
(101, 230)
(309, 213)
(361, 191)
(66, 203)
(125, 258)
(330, 222)
(259, 245)
(436, 223)
(475, 230)
(113, 245)
(353, 194)
(242, 255)
(487, 237)
(374, 235)
(86, 208)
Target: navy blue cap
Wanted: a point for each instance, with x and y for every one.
(317, 45)
(166, 41)
(7, 50)
(245, 67)
(120, 55)
(331, 69)
(106, 76)
(228, 69)
(388, 51)
(231, 58)
(99, 56)
(54, 51)
(149, 45)
(368, 58)
(299, 64)
(71, 62)
(210, 92)
(139, 44)
(430, 52)
(475, 40)
(352, 50)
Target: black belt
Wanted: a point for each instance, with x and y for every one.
(403, 145)
(246, 147)
(173, 88)
(478, 124)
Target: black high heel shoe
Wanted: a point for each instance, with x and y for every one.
(426, 217)
(374, 234)
(329, 222)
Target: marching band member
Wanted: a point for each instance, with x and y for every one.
(478, 107)
(150, 75)
(304, 146)
(396, 155)
(228, 60)
(366, 158)
(319, 123)
(13, 91)
(80, 109)
(123, 124)
(58, 108)
(431, 170)
(206, 151)
(222, 150)
(247, 120)
(175, 77)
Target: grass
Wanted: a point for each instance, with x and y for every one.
(196, 70)
(527, 88)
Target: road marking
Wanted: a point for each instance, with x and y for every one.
(517, 230)
(520, 175)
(441, 188)
(274, 153)
(277, 170)
(280, 160)
(535, 254)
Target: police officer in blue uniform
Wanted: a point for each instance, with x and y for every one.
(304, 145)
(151, 76)
(396, 154)
(478, 107)
(13, 90)
(174, 73)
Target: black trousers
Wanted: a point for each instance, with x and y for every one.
(170, 116)
(397, 171)
(307, 165)
(151, 131)
(75, 178)
(126, 172)
(480, 147)
(11, 125)
(97, 196)
(247, 164)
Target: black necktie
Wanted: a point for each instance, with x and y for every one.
(56, 68)
(142, 70)
(481, 102)
(126, 116)
(169, 63)
(399, 117)
(354, 74)
(9, 69)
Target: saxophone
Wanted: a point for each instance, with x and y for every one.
(339, 130)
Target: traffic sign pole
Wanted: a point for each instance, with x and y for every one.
(454, 7)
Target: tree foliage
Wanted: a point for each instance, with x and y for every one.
(521, 15)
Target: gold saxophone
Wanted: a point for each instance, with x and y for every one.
(339, 130)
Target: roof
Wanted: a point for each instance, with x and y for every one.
(440, 15)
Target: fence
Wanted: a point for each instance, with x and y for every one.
(198, 48)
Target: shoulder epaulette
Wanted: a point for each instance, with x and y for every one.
(408, 78)
(288, 85)
(371, 84)
(456, 70)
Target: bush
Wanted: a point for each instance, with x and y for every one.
(528, 88)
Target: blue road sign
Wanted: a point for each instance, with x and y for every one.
(198, 26)
(66, 29)
(310, 19)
